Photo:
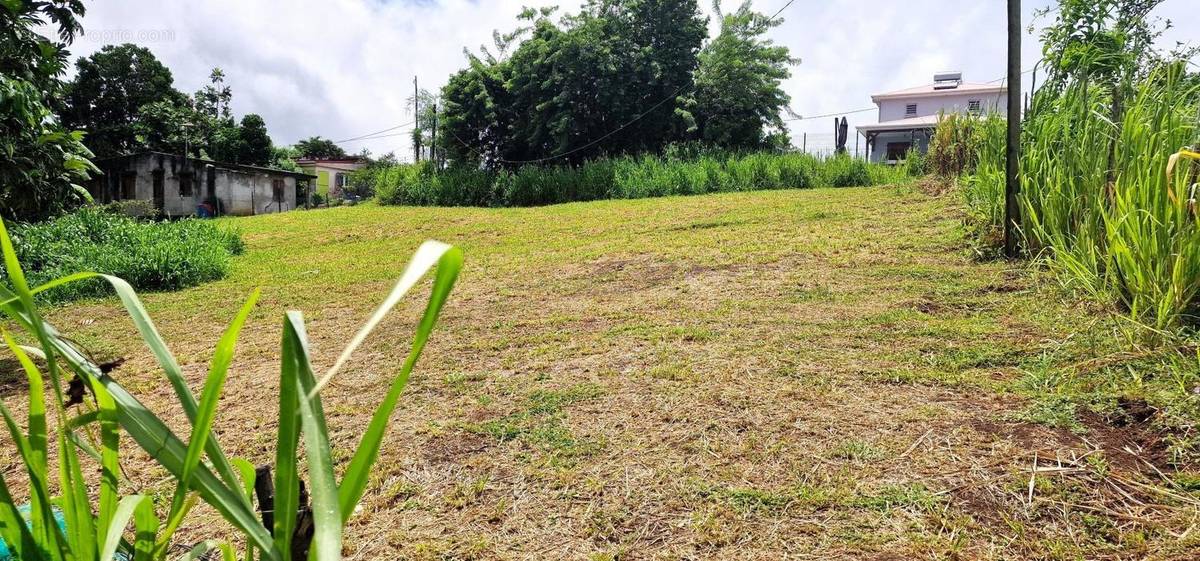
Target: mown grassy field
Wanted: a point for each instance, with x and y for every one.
(822, 373)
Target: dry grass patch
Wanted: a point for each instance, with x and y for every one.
(821, 373)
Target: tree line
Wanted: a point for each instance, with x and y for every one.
(619, 77)
(126, 101)
(121, 100)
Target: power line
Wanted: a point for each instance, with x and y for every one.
(1003, 78)
(803, 118)
(785, 6)
(375, 137)
(364, 136)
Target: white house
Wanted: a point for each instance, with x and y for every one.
(908, 117)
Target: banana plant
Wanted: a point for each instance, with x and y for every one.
(200, 467)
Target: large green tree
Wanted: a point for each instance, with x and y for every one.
(223, 138)
(318, 148)
(109, 91)
(43, 162)
(604, 81)
(477, 114)
(254, 142)
(171, 126)
(738, 100)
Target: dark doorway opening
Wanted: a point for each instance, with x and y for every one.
(160, 196)
(897, 151)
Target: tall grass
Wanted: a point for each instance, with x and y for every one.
(630, 177)
(1098, 199)
(96, 517)
(979, 163)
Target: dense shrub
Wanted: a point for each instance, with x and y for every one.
(150, 255)
(687, 170)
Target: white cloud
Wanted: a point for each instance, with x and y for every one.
(342, 68)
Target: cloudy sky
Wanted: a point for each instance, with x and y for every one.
(343, 68)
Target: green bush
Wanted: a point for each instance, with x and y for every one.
(149, 255)
(137, 208)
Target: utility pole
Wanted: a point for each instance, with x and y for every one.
(437, 164)
(1012, 185)
(416, 121)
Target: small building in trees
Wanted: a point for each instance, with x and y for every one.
(332, 174)
(907, 118)
(179, 186)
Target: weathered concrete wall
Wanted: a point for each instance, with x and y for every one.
(241, 191)
(247, 193)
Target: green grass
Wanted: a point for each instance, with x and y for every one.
(151, 256)
(737, 375)
(624, 178)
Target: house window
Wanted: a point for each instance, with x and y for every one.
(277, 190)
(897, 151)
(975, 106)
(185, 184)
(910, 110)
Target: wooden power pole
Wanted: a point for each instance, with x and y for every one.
(1012, 176)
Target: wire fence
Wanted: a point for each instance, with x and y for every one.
(824, 144)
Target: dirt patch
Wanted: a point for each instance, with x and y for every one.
(934, 186)
(454, 447)
(932, 307)
(641, 271)
(1127, 446)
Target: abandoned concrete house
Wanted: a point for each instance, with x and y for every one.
(179, 186)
